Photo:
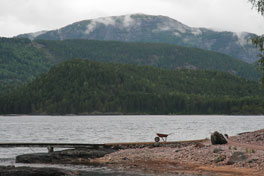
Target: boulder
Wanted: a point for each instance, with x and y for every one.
(218, 138)
(71, 156)
(237, 157)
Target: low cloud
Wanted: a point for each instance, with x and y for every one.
(105, 21)
(172, 25)
(177, 34)
(125, 21)
(176, 28)
(243, 38)
(128, 21)
(196, 31)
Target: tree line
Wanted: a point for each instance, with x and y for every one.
(85, 87)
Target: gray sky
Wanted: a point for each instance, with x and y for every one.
(23, 16)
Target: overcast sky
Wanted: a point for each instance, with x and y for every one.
(23, 16)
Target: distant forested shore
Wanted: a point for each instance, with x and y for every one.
(85, 87)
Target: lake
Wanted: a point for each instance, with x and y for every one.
(109, 129)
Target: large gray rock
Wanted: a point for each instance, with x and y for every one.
(72, 156)
(218, 138)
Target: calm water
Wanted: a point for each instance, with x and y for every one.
(109, 129)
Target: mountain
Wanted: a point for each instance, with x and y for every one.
(158, 29)
(81, 86)
(23, 60)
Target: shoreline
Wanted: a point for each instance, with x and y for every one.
(131, 114)
(243, 155)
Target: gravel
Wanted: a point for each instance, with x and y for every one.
(191, 157)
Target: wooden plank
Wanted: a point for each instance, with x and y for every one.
(150, 143)
(80, 145)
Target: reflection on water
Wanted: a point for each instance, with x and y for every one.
(109, 129)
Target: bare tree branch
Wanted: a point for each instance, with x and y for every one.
(259, 5)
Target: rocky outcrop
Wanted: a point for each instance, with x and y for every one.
(255, 137)
(28, 171)
(34, 171)
(71, 156)
(218, 138)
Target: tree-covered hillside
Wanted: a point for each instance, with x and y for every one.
(158, 55)
(81, 86)
(22, 60)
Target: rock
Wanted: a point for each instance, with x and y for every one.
(226, 135)
(119, 147)
(220, 158)
(252, 160)
(28, 171)
(236, 157)
(72, 156)
(218, 138)
(199, 145)
(217, 150)
(156, 144)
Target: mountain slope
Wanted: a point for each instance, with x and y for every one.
(81, 86)
(158, 55)
(159, 29)
(22, 60)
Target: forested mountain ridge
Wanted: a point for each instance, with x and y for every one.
(152, 54)
(81, 86)
(22, 60)
(158, 29)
